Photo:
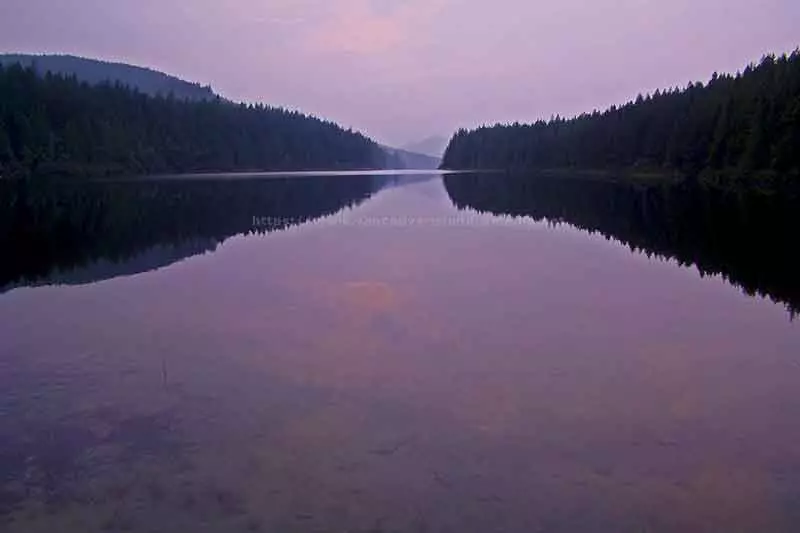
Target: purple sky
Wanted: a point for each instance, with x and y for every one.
(401, 70)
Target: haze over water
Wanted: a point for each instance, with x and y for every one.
(396, 365)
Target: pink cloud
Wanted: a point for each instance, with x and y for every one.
(368, 28)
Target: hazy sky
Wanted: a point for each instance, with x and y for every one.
(401, 70)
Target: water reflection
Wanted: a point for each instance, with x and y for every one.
(67, 232)
(464, 375)
(749, 237)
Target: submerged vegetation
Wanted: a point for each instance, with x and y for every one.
(741, 126)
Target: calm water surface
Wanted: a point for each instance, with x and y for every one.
(390, 356)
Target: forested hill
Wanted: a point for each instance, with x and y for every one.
(745, 124)
(55, 124)
(95, 72)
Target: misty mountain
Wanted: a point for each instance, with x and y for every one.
(94, 72)
(404, 159)
(433, 146)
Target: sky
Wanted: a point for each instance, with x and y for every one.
(402, 70)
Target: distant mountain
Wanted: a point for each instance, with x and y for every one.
(433, 146)
(95, 72)
(404, 159)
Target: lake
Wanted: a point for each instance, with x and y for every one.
(392, 353)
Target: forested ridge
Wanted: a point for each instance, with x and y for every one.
(94, 71)
(57, 124)
(743, 124)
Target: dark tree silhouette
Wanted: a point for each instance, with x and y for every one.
(57, 124)
(95, 72)
(746, 125)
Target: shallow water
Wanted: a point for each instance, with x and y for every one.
(379, 359)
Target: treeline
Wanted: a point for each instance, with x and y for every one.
(94, 72)
(747, 237)
(734, 125)
(57, 124)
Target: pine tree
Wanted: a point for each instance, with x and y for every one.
(743, 124)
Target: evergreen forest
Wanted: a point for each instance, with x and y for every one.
(743, 125)
(57, 124)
